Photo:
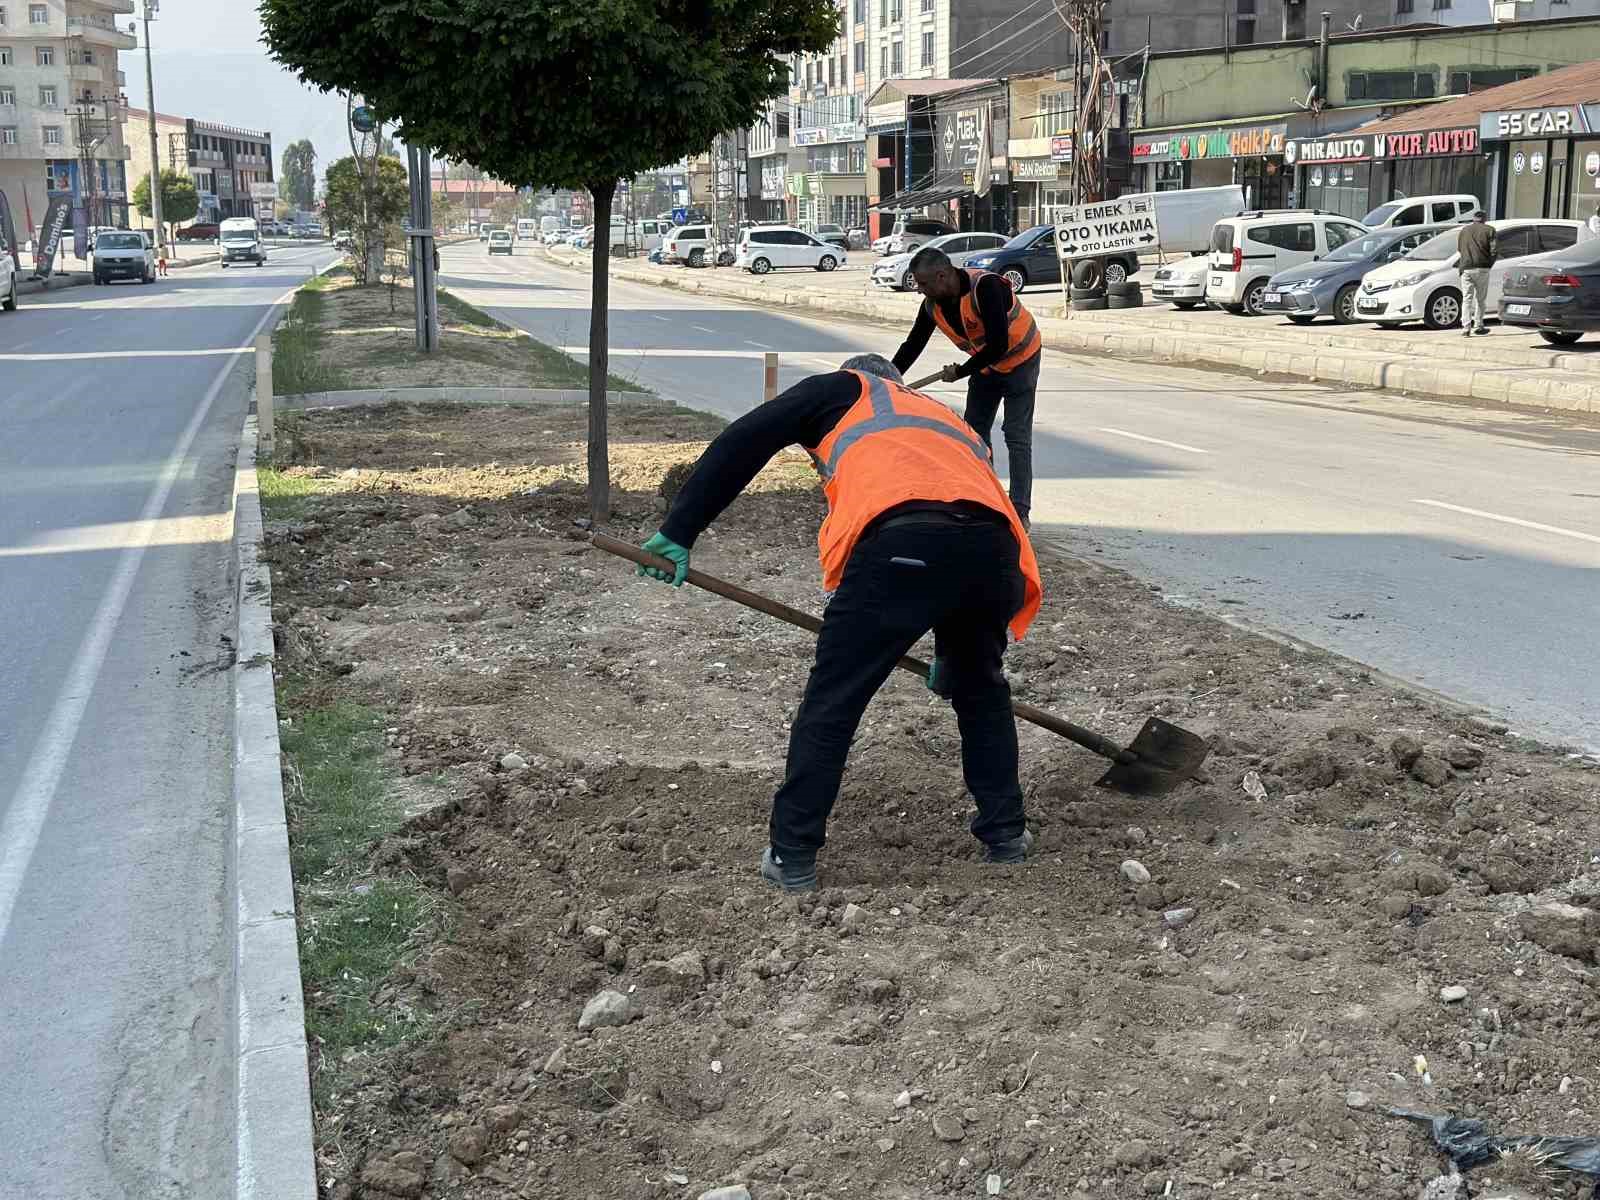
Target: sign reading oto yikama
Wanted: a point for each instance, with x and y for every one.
(1109, 227)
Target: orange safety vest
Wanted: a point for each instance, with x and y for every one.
(1023, 334)
(894, 445)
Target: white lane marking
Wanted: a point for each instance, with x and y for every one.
(96, 354)
(662, 353)
(30, 803)
(1139, 437)
(1489, 516)
(762, 345)
(702, 329)
(655, 317)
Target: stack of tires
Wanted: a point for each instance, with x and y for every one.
(1092, 290)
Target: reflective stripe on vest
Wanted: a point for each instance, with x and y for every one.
(884, 417)
(1022, 333)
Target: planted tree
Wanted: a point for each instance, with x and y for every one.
(370, 206)
(553, 93)
(179, 199)
(299, 174)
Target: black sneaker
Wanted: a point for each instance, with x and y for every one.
(790, 876)
(1013, 851)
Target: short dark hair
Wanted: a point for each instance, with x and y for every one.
(929, 258)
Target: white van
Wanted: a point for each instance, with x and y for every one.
(241, 241)
(1454, 209)
(1251, 248)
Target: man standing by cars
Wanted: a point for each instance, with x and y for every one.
(1477, 256)
(918, 536)
(979, 313)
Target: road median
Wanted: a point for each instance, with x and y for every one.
(575, 766)
(1427, 364)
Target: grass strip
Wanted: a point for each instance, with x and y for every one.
(355, 925)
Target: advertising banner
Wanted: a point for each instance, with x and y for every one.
(56, 216)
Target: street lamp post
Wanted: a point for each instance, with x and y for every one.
(151, 7)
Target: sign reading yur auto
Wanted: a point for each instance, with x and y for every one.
(1109, 227)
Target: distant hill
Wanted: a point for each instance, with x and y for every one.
(246, 89)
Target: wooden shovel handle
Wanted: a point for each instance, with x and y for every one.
(1086, 738)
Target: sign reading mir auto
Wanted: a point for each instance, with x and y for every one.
(1382, 147)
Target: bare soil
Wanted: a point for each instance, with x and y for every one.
(369, 339)
(1353, 849)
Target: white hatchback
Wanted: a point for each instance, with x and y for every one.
(1425, 285)
(1251, 248)
(769, 247)
(1183, 283)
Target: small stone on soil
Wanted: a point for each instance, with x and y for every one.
(607, 1008)
(469, 1144)
(1135, 1153)
(737, 1191)
(1357, 1100)
(513, 762)
(1431, 770)
(885, 1144)
(1177, 918)
(1462, 755)
(903, 1100)
(1453, 994)
(557, 1062)
(947, 1127)
(392, 1179)
(1405, 751)
(852, 918)
(1135, 872)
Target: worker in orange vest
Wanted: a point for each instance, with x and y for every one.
(919, 536)
(978, 311)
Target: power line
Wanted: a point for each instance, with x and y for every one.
(1004, 41)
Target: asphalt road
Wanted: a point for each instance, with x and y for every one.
(1452, 545)
(119, 420)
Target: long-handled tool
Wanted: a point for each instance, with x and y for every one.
(1161, 756)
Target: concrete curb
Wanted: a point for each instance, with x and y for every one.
(1524, 386)
(32, 287)
(526, 397)
(273, 1131)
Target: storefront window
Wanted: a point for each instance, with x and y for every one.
(1051, 198)
(1263, 180)
(1583, 181)
(1170, 177)
(1342, 188)
(1527, 172)
(1440, 177)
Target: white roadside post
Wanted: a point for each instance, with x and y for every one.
(264, 390)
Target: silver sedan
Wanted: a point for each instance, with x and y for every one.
(895, 270)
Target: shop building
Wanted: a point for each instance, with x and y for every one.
(1340, 146)
(1248, 153)
(224, 162)
(769, 166)
(903, 141)
(1353, 173)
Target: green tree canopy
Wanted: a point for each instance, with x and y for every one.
(556, 93)
(390, 196)
(179, 199)
(299, 174)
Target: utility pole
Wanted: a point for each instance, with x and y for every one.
(151, 7)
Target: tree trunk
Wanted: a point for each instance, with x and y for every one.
(599, 355)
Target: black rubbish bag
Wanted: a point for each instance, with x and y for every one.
(1469, 1144)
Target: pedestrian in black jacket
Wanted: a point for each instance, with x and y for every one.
(1476, 247)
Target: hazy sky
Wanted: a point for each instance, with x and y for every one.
(210, 64)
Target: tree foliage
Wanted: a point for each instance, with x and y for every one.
(179, 199)
(556, 93)
(369, 206)
(299, 174)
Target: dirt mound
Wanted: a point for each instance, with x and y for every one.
(1234, 1016)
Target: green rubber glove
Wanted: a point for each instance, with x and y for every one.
(939, 678)
(668, 549)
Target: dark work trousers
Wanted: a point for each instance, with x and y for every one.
(1015, 389)
(955, 575)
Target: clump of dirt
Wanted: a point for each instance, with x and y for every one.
(927, 1023)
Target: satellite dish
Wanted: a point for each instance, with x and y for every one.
(1356, 24)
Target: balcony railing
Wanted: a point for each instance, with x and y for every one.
(101, 31)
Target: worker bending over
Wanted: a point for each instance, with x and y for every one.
(919, 535)
(979, 313)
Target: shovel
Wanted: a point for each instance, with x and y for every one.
(1161, 757)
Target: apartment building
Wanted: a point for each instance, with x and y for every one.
(224, 162)
(61, 107)
(1484, 12)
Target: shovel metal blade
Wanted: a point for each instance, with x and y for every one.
(1163, 757)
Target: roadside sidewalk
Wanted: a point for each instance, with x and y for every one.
(1509, 367)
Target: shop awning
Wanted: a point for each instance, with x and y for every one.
(919, 198)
